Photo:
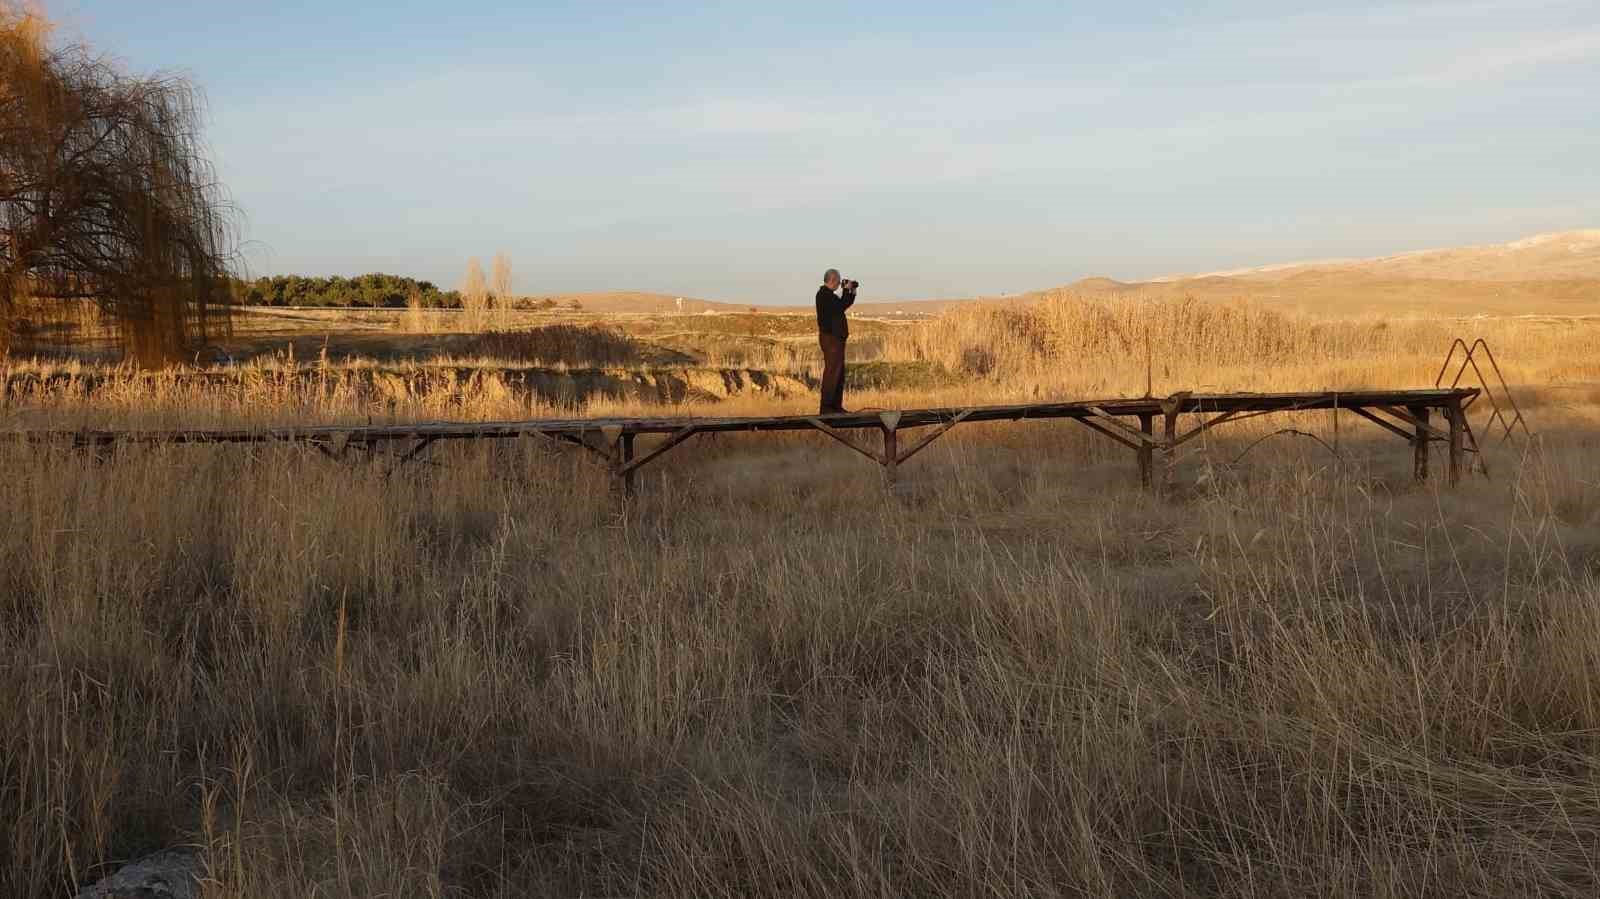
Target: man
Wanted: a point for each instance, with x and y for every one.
(832, 332)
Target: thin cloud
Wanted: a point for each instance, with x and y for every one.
(1361, 112)
(1535, 51)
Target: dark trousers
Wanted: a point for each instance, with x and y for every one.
(832, 372)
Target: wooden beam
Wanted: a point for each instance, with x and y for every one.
(1418, 416)
(610, 438)
(1386, 425)
(839, 436)
(412, 453)
(934, 435)
(910, 418)
(578, 439)
(1242, 414)
(659, 449)
(416, 450)
(1112, 420)
(333, 447)
(1096, 427)
(1210, 423)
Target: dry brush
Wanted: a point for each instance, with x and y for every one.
(1014, 676)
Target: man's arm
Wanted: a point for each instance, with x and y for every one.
(827, 301)
(848, 300)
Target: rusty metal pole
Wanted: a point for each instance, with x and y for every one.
(889, 423)
(1457, 416)
(1169, 445)
(1419, 444)
(891, 455)
(624, 457)
(1146, 453)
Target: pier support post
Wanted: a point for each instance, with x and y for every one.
(891, 455)
(1457, 416)
(1146, 453)
(1170, 407)
(624, 457)
(1419, 443)
(889, 424)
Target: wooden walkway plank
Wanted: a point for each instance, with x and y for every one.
(1409, 407)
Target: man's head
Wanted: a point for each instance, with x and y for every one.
(830, 279)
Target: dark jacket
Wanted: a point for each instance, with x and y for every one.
(830, 312)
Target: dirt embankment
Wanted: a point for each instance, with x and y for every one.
(550, 385)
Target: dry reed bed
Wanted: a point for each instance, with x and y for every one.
(1064, 348)
(361, 394)
(767, 676)
(1068, 343)
(490, 679)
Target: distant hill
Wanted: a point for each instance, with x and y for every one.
(906, 309)
(626, 302)
(645, 303)
(1548, 274)
(1562, 256)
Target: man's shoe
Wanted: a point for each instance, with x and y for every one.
(835, 410)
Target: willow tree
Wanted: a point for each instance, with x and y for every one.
(108, 205)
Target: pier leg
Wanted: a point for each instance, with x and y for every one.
(1169, 447)
(1419, 444)
(1457, 416)
(1147, 453)
(624, 456)
(891, 455)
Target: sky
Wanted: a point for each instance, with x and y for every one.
(732, 151)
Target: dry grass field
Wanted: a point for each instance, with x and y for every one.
(767, 674)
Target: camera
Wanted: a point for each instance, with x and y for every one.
(850, 285)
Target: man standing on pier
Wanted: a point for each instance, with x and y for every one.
(832, 332)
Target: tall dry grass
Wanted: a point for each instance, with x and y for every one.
(767, 675)
(1068, 343)
(1065, 348)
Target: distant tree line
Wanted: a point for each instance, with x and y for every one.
(376, 291)
(480, 296)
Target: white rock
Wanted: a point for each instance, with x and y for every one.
(170, 874)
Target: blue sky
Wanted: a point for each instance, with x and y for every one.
(734, 150)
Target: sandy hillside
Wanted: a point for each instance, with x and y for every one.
(1561, 256)
(1548, 274)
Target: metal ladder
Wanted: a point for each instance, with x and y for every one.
(1508, 425)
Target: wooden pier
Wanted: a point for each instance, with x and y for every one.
(1150, 427)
